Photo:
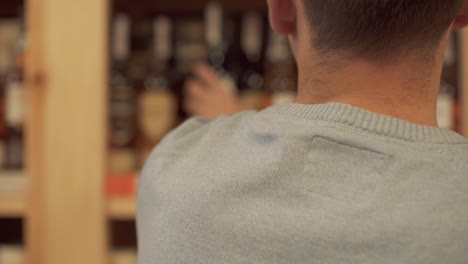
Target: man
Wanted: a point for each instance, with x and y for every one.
(356, 171)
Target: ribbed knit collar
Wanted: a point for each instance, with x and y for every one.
(370, 122)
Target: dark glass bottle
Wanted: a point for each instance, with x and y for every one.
(251, 73)
(189, 48)
(217, 41)
(122, 100)
(15, 106)
(280, 80)
(157, 104)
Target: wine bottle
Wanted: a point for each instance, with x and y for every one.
(15, 106)
(280, 67)
(450, 56)
(251, 76)
(216, 43)
(157, 105)
(10, 30)
(189, 49)
(122, 101)
(9, 33)
(446, 106)
(189, 45)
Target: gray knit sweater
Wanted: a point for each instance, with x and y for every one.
(305, 184)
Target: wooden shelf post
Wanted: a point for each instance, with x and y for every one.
(66, 81)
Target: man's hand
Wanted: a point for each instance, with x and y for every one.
(208, 96)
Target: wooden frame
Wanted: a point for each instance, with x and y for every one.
(66, 83)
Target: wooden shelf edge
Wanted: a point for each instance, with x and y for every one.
(121, 208)
(179, 7)
(12, 206)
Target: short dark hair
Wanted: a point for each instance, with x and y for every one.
(380, 29)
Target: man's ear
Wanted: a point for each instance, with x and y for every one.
(283, 14)
(461, 20)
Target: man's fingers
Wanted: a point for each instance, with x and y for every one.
(195, 107)
(191, 104)
(207, 75)
(195, 90)
(196, 96)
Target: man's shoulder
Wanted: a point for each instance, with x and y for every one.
(199, 130)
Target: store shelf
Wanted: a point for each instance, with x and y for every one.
(121, 208)
(149, 7)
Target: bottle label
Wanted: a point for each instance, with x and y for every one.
(122, 131)
(283, 97)
(122, 109)
(122, 161)
(445, 111)
(189, 46)
(15, 107)
(122, 122)
(157, 114)
(121, 37)
(9, 34)
(122, 113)
(14, 157)
(188, 54)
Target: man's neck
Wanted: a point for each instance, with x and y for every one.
(404, 90)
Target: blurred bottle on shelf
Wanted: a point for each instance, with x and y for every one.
(448, 103)
(189, 45)
(9, 34)
(251, 76)
(122, 101)
(15, 105)
(14, 119)
(217, 41)
(280, 77)
(157, 104)
(9, 31)
(189, 49)
(450, 57)
(446, 106)
(139, 51)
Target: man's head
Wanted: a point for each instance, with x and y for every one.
(376, 30)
